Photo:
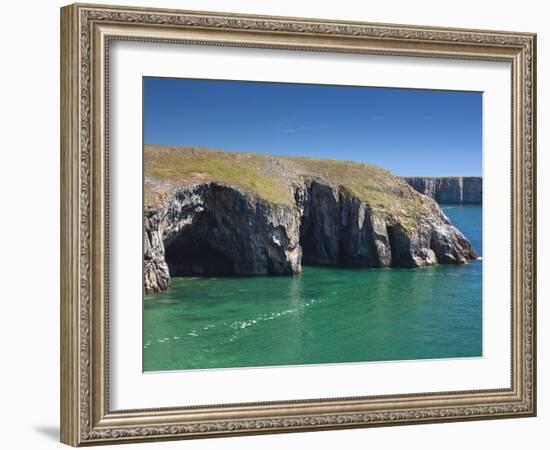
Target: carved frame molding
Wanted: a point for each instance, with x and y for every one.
(86, 31)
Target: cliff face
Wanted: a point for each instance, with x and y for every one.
(459, 190)
(156, 277)
(213, 213)
(472, 190)
(211, 229)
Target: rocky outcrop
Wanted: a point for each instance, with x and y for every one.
(215, 229)
(339, 229)
(449, 190)
(156, 276)
(472, 190)
(211, 229)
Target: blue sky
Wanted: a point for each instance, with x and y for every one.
(408, 131)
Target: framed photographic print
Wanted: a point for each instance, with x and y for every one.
(275, 224)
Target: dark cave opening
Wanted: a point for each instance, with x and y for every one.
(309, 246)
(320, 241)
(313, 248)
(191, 252)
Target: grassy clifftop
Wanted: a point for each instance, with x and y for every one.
(272, 177)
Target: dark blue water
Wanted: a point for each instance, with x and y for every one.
(324, 315)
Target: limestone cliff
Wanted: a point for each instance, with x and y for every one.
(454, 190)
(220, 213)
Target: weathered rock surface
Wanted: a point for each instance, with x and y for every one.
(213, 229)
(472, 190)
(453, 190)
(449, 190)
(156, 277)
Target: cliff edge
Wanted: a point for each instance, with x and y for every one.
(450, 190)
(222, 213)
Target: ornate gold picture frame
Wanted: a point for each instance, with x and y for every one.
(87, 31)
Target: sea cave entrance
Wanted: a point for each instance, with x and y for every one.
(191, 252)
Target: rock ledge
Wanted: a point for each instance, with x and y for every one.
(211, 228)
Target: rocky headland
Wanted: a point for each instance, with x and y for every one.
(223, 213)
(449, 190)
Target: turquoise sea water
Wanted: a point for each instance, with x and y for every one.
(324, 315)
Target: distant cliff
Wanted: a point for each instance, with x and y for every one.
(460, 190)
(215, 213)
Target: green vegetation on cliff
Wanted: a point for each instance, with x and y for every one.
(273, 177)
